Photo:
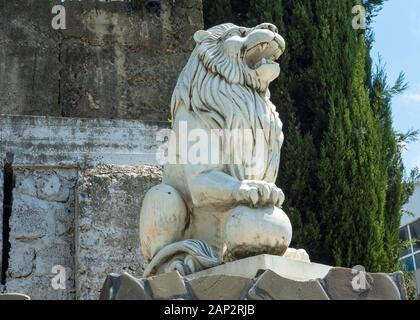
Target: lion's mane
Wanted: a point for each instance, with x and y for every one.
(224, 94)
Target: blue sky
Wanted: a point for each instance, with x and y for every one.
(397, 40)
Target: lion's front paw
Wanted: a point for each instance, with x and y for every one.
(297, 254)
(259, 193)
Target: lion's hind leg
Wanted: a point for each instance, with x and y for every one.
(163, 219)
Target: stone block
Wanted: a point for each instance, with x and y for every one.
(398, 278)
(29, 220)
(248, 268)
(271, 286)
(21, 260)
(124, 287)
(219, 287)
(109, 199)
(74, 142)
(42, 232)
(54, 254)
(52, 188)
(167, 286)
(348, 284)
(43, 204)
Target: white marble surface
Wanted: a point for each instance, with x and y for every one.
(287, 268)
(222, 193)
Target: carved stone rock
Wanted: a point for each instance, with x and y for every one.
(255, 280)
(219, 287)
(398, 278)
(167, 286)
(349, 284)
(285, 267)
(271, 286)
(123, 287)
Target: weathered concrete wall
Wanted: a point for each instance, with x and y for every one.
(107, 226)
(29, 64)
(42, 232)
(116, 59)
(50, 141)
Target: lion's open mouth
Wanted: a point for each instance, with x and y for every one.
(264, 53)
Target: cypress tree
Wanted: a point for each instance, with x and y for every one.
(352, 187)
(216, 12)
(399, 189)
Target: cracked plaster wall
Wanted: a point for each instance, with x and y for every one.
(42, 232)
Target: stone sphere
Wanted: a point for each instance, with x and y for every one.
(253, 231)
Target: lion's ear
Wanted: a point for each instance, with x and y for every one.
(200, 35)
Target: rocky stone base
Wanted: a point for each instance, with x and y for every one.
(338, 284)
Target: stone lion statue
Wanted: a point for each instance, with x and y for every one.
(208, 211)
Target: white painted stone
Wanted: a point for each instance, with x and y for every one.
(26, 185)
(287, 268)
(297, 254)
(42, 232)
(28, 221)
(50, 141)
(21, 261)
(51, 188)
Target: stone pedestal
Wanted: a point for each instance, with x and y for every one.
(248, 268)
(262, 277)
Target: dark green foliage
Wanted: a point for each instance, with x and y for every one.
(341, 166)
(216, 12)
(398, 191)
(373, 7)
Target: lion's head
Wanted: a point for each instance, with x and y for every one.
(242, 55)
(225, 84)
